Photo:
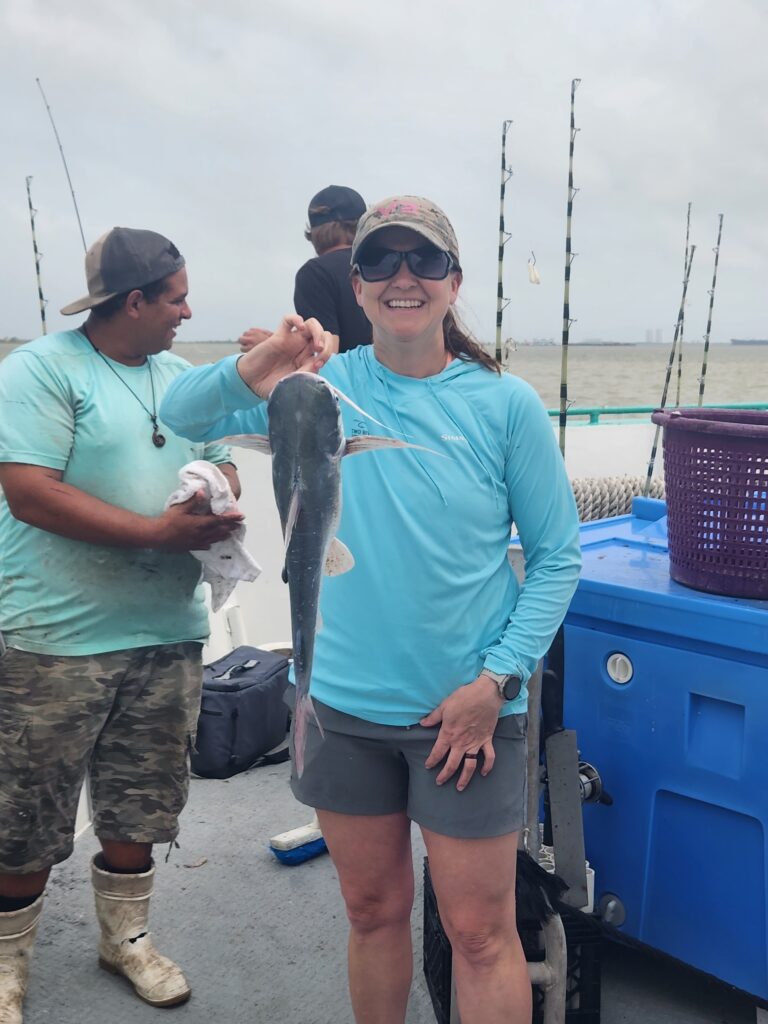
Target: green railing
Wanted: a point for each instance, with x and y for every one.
(593, 413)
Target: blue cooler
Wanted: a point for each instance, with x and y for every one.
(667, 688)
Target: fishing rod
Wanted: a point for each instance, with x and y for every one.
(670, 364)
(682, 322)
(716, 251)
(64, 161)
(504, 237)
(569, 258)
(38, 254)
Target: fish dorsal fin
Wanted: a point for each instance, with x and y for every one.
(339, 558)
(344, 398)
(258, 442)
(372, 443)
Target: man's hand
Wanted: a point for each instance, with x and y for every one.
(297, 344)
(191, 526)
(253, 336)
(38, 496)
(467, 719)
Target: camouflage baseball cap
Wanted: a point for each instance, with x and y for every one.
(124, 259)
(414, 212)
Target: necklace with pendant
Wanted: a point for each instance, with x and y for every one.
(158, 439)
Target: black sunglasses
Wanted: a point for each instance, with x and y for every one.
(377, 264)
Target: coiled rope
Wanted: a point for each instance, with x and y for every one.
(601, 497)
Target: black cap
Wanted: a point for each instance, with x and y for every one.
(337, 202)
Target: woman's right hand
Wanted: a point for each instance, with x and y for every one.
(297, 344)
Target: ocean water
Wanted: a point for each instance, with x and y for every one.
(605, 375)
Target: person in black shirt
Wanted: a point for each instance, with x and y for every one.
(322, 288)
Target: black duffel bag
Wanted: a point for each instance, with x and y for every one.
(242, 713)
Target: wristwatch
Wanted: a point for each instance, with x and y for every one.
(509, 686)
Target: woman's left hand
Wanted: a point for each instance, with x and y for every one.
(467, 720)
(253, 336)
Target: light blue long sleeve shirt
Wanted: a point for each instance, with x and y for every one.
(432, 598)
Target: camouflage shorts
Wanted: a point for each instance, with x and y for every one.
(129, 717)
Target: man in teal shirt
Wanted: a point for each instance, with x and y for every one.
(101, 610)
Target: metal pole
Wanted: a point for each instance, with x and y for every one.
(703, 377)
(569, 258)
(531, 841)
(655, 447)
(38, 254)
(64, 161)
(504, 236)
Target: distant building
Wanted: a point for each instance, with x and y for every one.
(749, 341)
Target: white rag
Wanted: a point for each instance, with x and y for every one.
(226, 561)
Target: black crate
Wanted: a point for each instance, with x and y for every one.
(583, 944)
(437, 954)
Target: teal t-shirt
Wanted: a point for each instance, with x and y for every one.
(63, 407)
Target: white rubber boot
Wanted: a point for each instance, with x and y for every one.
(17, 936)
(122, 907)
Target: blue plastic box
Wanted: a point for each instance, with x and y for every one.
(682, 747)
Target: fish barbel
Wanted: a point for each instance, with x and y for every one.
(307, 443)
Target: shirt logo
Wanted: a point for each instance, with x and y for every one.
(452, 437)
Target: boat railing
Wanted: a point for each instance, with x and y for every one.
(593, 413)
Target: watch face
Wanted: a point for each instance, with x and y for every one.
(512, 687)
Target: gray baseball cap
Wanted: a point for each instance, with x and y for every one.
(414, 212)
(124, 259)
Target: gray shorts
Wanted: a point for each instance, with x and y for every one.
(368, 769)
(127, 716)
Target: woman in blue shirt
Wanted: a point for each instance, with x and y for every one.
(420, 670)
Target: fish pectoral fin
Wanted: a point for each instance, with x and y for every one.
(372, 443)
(294, 507)
(258, 442)
(339, 559)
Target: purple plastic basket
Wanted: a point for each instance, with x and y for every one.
(716, 470)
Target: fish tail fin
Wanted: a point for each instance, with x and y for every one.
(304, 709)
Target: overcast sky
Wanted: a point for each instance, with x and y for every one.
(215, 122)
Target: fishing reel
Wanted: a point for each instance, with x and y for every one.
(591, 786)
